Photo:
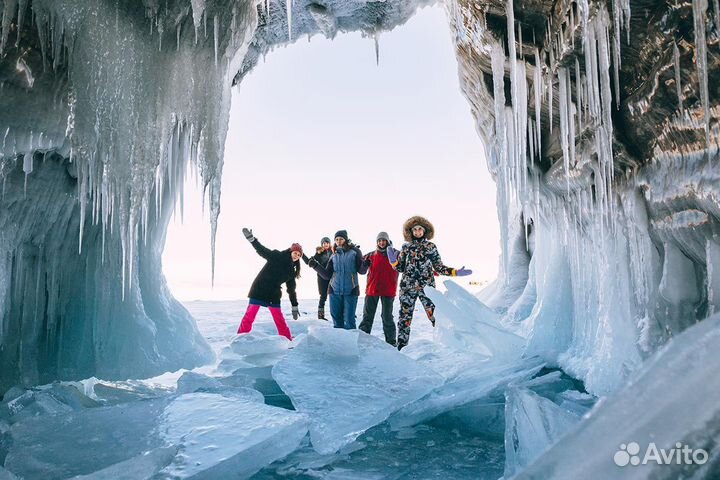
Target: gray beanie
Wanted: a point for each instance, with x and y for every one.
(324, 240)
(383, 236)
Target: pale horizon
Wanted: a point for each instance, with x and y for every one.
(322, 139)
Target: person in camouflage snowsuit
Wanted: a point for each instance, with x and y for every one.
(418, 261)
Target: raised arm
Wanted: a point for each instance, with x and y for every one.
(259, 248)
(397, 258)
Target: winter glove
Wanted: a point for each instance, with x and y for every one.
(305, 259)
(295, 312)
(248, 234)
(463, 272)
(392, 254)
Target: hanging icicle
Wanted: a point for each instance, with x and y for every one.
(699, 16)
(376, 36)
(289, 6)
(678, 78)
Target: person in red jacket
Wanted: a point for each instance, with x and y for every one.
(381, 287)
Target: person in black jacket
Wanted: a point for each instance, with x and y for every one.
(322, 256)
(281, 267)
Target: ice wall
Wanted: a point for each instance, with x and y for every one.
(601, 134)
(601, 122)
(104, 109)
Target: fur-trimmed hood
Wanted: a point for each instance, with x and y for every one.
(418, 220)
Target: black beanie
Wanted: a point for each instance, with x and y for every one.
(341, 233)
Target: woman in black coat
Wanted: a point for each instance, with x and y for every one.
(281, 267)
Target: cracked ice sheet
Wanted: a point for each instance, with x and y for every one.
(347, 381)
(227, 436)
(672, 398)
(475, 355)
(533, 424)
(216, 434)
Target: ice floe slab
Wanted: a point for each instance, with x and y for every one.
(673, 398)
(227, 436)
(347, 381)
(476, 357)
(464, 323)
(533, 424)
(214, 436)
(477, 382)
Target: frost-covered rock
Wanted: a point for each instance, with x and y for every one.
(347, 381)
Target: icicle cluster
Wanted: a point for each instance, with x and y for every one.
(130, 141)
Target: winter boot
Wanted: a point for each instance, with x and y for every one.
(321, 314)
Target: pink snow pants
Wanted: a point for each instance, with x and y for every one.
(277, 315)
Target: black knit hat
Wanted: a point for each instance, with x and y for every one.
(341, 233)
(324, 240)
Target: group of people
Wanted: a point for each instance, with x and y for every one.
(338, 267)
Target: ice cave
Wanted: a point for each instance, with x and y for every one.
(591, 355)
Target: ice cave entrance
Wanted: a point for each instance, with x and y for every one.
(330, 134)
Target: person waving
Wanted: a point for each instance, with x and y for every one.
(280, 267)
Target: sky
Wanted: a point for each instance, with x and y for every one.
(321, 138)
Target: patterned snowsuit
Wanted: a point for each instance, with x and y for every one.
(418, 261)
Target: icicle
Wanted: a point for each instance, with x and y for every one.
(572, 28)
(716, 9)
(564, 128)
(617, 19)
(216, 34)
(177, 30)
(27, 167)
(531, 136)
(578, 94)
(22, 5)
(550, 87)
(8, 14)
(289, 5)
(678, 79)
(537, 84)
(214, 206)
(498, 70)
(699, 13)
(377, 49)
(520, 41)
